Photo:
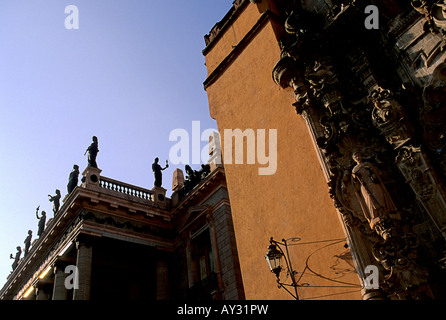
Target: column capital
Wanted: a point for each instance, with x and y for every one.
(82, 240)
(59, 266)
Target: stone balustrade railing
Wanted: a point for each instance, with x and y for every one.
(125, 188)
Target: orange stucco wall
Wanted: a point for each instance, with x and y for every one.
(293, 202)
(231, 37)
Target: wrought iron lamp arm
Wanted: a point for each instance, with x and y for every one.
(289, 268)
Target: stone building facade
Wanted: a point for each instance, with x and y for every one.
(367, 80)
(111, 240)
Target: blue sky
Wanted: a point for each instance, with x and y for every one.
(130, 74)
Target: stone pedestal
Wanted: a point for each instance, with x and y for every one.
(91, 176)
(159, 194)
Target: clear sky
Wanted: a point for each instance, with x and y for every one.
(130, 74)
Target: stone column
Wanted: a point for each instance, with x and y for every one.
(162, 280)
(41, 293)
(83, 264)
(59, 290)
(191, 270)
(213, 236)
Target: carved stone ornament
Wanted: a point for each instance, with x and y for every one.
(323, 83)
(388, 116)
(284, 70)
(286, 73)
(414, 166)
(433, 115)
(434, 12)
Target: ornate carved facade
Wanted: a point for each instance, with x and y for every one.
(374, 103)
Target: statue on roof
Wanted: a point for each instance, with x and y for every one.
(28, 242)
(205, 171)
(42, 221)
(192, 178)
(16, 258)
(73, 179)
(92, 150)
(158, 172)
(55, 200)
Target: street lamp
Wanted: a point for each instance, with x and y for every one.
(274, 257)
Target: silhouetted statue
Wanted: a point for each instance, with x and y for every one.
(73, 179)
(28, 242)
(205, 170)
(16, 258)
(42, 221)
(192, 175)
(93, 150)
(157, 170)
(55, 200)
(192, 179)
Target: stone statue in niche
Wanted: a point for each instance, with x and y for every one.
(158, 172)
(16, 258)
(42, 220)
(55, 200)
(93, 150)
(28, 242)
(73, 179)
(376, 202)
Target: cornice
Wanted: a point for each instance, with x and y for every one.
(220, 27)
(238, 49)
